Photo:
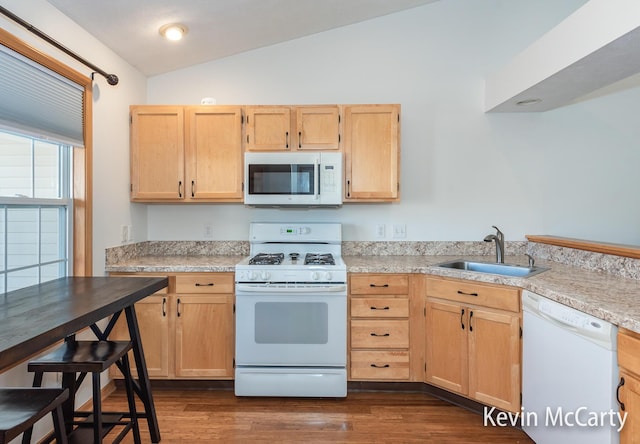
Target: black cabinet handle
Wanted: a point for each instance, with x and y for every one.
(380, 336)
(286, 138)
(470, 316)
(178, 308)
(193, 188)
(380, 366)
(164, 307)
(462, 318)
(379, 308)
(299, 139)
(210, 284)
(379, 286)
(467, 294)
(620, 384)
(180, 188)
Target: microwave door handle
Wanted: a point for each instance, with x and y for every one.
(316, 180)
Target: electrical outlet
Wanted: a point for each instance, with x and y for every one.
(124, 233)
(399, 231)
(380, 231)
(208, 230)
(129, 233)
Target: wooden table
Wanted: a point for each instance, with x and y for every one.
(36, 317)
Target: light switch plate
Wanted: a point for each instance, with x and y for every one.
(399, 231)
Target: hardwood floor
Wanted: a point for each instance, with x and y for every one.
(193, 416)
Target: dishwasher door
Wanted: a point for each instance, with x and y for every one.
(569, 375)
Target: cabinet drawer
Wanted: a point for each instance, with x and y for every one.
(379, 284)
(629, 350)
(379, 307)
(379, 333)
(205, 283)
(379, 365)
(468, 292)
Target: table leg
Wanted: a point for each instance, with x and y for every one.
(143, 376)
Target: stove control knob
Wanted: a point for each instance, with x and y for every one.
(252, 275)
(328, 276)
(265, 275)
(315, 275)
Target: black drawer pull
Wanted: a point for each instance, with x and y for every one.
(379, 308)
(380, 366)
(467, 294)
(382, 335)
(620, 384)
(379, 286)
(210, 284)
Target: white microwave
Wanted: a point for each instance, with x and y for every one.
(293, 179)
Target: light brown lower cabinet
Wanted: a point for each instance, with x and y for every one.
(187, 332)
(629, 386)
(473, 341)
(385, 321)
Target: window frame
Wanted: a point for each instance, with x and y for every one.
(82, 157)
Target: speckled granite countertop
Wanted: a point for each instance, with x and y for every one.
(604, 295)
(176, 264)
(604, 286)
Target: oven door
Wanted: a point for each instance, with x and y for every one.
(291, 329)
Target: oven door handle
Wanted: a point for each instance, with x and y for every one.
(249, 288)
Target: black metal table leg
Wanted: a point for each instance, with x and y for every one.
(143, 375)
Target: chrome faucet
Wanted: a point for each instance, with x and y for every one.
(499, 239)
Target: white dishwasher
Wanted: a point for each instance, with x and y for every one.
(569, 375)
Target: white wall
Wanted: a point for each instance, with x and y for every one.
(110, 142)
(110, 116)
(569, 172)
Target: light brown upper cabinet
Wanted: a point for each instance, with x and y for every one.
(157, 153)
(186, 153)
(214, 160)
(292, 128)
(372, 153)
(318, 127)
(268, 128)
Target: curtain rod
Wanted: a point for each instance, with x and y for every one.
(112, 79)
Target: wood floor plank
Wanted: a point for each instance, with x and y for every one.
(190, 416)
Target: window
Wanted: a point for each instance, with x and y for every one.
(45, 167)
(35, 204)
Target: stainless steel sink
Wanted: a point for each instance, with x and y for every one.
(511, 270)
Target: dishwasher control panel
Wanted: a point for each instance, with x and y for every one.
(598, 330)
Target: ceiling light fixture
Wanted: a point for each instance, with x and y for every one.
(527, 102)
(173, 31)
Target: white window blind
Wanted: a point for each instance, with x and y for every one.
(38, 101)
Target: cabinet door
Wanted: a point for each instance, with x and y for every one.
(157, 153)
(372, 152)
(629, 395)
(494, 358)
(153, 323)
(446, 347)
(204, 335)
(318, 128)
(268, 128)
(214, 153)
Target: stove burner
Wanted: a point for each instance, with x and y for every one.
(267, 259)
(319, 259)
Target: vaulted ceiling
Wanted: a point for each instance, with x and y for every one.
(216, 28)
